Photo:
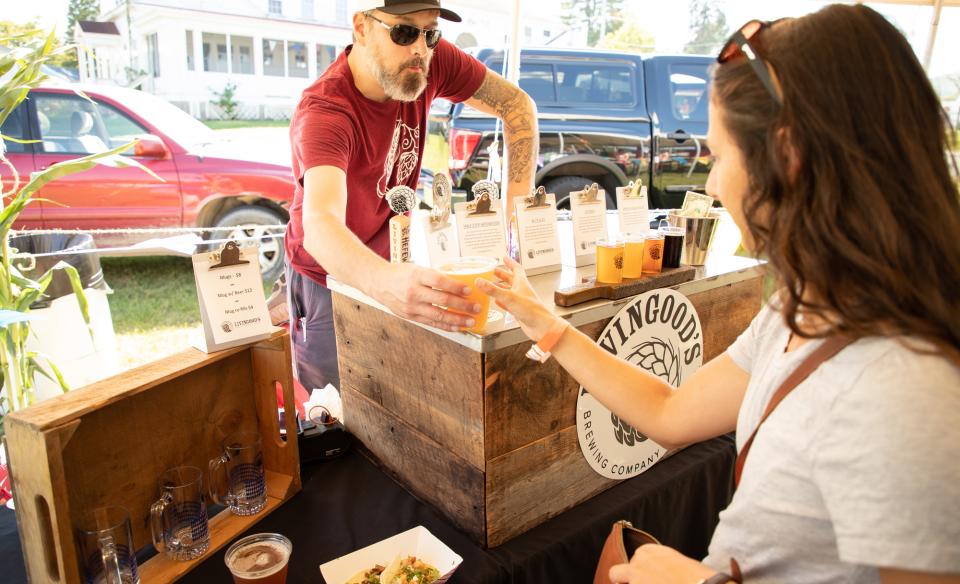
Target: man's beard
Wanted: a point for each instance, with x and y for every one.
(401, 85)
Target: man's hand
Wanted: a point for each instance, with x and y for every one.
(517, 297)
(658, 564)
(418, 293)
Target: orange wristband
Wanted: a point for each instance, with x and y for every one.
(540, 351)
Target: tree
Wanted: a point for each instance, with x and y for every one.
(709, 27)
(227, 101)
(600, 17)
(80, 10)
(630, 37)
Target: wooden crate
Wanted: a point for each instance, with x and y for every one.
(487, 438)
(108, 443)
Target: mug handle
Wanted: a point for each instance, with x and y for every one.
(158, 521)
(218, 479)
(111, 563)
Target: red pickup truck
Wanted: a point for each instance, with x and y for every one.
(207, 182)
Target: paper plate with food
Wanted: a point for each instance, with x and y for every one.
(412, 557)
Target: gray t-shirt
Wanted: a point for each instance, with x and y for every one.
(857, 469)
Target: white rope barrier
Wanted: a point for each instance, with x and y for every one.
(279, 226)
(277, 231)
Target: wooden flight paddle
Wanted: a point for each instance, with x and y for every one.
(591, 290)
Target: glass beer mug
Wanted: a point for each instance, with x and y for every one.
(236, 476)
(107, 555)
(178, 520)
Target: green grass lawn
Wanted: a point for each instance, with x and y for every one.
(154, 306)
(230, 124)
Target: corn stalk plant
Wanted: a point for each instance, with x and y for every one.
(20, 71)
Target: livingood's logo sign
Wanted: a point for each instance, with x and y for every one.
(660, 333)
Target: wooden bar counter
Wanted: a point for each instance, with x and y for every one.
(467, 423)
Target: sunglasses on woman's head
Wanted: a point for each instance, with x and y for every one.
(739, 45)
(407, 34)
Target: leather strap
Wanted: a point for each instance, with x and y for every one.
(824, 352)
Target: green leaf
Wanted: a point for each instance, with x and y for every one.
(57, 376)
(67, 167)
(17, 140)
(77, 286)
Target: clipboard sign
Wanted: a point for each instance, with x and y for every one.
(634, 209)
(480, 228)
(537, 226)
(233, 309)
(588, 209)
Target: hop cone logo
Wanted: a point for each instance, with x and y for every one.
(655, 252)
(624, 433)
(663, 360)
(618, 261)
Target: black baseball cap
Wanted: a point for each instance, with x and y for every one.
(407, 6)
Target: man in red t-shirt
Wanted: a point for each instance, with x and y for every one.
(357, 132)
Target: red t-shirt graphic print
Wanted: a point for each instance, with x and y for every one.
(377, 145)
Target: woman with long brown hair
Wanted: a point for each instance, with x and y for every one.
(831, 155)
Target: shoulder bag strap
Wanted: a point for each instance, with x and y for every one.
(824, 352)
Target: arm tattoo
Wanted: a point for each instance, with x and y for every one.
(520, 158)
(507, 101)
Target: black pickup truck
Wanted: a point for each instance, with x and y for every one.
(606, 117)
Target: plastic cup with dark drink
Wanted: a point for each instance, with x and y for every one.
(672, 244)
(259, 559)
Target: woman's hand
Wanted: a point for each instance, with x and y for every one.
(659, 564)
(517, 297)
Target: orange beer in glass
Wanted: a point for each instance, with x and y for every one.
(633, 256)
(609, 261)
(653, 253)
(466, 270)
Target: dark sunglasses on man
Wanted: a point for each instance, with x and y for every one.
(743, 43)
(407, 34)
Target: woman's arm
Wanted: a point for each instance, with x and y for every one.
(705, 406)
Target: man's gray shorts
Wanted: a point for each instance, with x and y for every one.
(311, 332)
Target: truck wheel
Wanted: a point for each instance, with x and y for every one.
(562, 186)
(271, 248)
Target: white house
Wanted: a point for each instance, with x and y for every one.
(186, 51)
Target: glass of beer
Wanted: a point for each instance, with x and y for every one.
(633, 256)
(653, 253)
(672, 244)
(609, 261)
(259, 559)
(466, 270)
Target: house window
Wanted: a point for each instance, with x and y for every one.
(241, 54)
(341, 17)
(546, 35)
(527, 32)
(215, 52)
(326, 55)
(273, 57)
(306, 9)
(153, 55)
(190, 58)
(297, 56)
(274, 6)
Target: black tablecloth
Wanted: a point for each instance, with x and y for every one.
(348, 503)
